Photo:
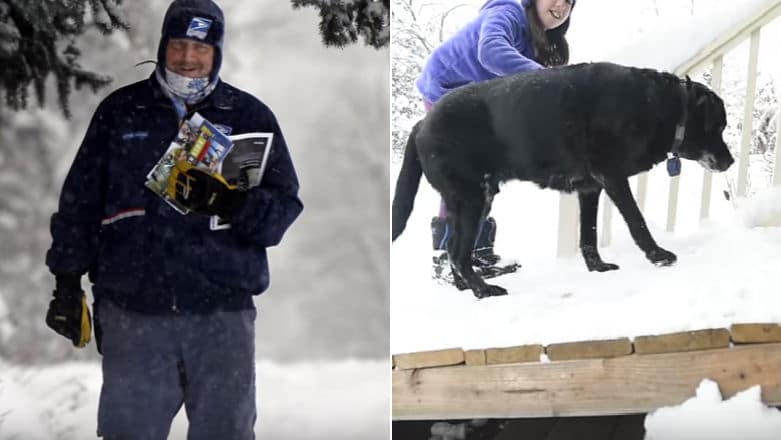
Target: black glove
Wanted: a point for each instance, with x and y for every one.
(202, 192)
(68, 313)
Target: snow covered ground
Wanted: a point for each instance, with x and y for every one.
(334, 400)
(707, 417)
(727, 272)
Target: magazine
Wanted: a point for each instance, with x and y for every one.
(244, 166)
(199, 142)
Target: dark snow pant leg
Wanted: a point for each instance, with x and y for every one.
(219, 371)
(141, 390)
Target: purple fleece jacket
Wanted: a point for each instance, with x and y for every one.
(497, 43)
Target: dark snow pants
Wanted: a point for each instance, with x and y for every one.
(154, 364)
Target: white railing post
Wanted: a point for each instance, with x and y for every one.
(607, 220)
(777, 167)
(672, 202)
(707, 176)
(748, 115)
(642, 190)
(568, 225)
(608, 206)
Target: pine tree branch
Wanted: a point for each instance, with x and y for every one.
(37, 40)
(343, 21)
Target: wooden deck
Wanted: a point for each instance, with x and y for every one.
(589, 378)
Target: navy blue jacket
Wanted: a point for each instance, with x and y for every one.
(139, 251)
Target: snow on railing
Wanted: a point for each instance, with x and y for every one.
(712, 54)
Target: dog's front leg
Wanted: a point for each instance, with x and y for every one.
(466, 219)
(619, 192)
(589, 204)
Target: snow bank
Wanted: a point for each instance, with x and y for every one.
(662, 42)
(662, 48)
(318, 400)
(761, 209)
(707, 417)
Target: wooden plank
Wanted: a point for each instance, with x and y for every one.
(623, 385)
(511, 355)
(755, 333)
(425, 359)
(683, 341)
(589, 349)
(728, 41)
(474, 357)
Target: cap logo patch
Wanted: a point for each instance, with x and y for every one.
(199, 27)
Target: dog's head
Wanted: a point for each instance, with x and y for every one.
(707, 119)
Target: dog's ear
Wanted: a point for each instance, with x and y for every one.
(688, 82)
(708, 104)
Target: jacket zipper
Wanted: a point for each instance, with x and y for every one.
(188, 115)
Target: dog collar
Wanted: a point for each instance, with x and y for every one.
(673, 161)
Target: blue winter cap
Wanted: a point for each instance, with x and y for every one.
(197, 20)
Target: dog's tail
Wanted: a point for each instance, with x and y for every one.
(406, 185)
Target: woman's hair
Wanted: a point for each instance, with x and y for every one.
(550, 46)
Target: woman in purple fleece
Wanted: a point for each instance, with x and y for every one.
(508, 36)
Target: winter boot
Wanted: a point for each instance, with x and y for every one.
(485, 261)
(483, 251)
(441, 230)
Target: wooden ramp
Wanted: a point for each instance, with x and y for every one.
(588, 378)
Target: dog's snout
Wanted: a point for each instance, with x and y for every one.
(717, 163)
(726, 163)
(721, 158)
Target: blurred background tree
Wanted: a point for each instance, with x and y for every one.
(341, 22)
(38, 38)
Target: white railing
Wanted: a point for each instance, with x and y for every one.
(712, 54)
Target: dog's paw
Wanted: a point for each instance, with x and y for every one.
(594, 261)
(600, 266)
(488, 290)
(661, 257)
(459, 282)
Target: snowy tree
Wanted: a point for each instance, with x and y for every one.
(38, 38)
(36, 147)
(764, 126)
(419, 28)
(342, 21)
(27, 198)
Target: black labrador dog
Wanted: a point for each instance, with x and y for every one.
(581, 128)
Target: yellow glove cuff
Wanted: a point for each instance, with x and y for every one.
(86, 323)
(176, 185)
